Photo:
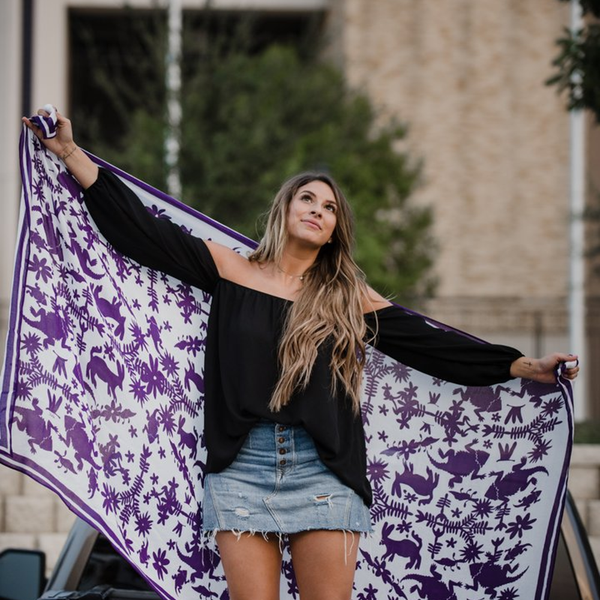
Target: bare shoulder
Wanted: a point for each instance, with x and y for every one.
(230, 264)
(374, 301)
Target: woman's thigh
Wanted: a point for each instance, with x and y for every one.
(324, 563)
(252, 565)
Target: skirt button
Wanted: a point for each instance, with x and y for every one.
(282, 462)
(282, 450)
(281, 440)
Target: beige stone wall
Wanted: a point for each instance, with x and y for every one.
(31, 516)
(468, 77)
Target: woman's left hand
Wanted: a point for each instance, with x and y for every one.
(543, 369)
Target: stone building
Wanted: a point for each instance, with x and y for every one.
(467, 76)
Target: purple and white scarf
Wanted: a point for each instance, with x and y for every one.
(102, 400)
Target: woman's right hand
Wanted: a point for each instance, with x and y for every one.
(62, 142)
(64, 146)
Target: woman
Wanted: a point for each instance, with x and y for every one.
(284, 356)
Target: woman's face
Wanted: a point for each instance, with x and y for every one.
(312, 214)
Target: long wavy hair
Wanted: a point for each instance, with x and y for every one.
(329, 307)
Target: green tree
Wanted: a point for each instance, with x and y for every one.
(578, 62)
(251, 119)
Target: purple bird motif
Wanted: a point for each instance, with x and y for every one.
(31, 421)
(51, 324)
(423, 486)
(77, 438)
(97, 367)
(110, 310)
(462, 463)
(516, 480)
(405, 548)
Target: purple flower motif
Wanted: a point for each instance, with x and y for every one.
(514, 415)
(540, 450)
(383, 436)
(109, 351)
(471, 552)
(139, 336)
(169, 364)
(483, 508)
(552, 407)
(139, 391)
(143, 524)
(23, 389)
(159, 563)
(519, 525)
(133, 432)
(111, 499)
(377, 471)
(369, 593)
(152, 376)
(165, 417)
(159, 213)
(508, 594)
(451, 543)
(41, 268)
(383, 409)
(31, 343)
(59, 366)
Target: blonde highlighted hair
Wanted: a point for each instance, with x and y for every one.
(329, 307)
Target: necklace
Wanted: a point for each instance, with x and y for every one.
(300, 277)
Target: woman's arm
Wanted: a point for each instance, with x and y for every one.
(64, 146)
(412, 340)
(543, 369)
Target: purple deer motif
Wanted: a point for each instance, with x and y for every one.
(110, 310)
(97, 367)
(423, 486)
(32, 423)
(405, 548)
(462, 463)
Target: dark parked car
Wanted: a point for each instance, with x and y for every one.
(89, 568)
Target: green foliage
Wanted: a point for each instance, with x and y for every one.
(250, 120)
(578, 64)
(587, 432)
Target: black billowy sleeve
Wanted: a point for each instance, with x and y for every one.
(153, 242)
(413, 341)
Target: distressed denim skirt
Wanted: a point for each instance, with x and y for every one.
(278, 484)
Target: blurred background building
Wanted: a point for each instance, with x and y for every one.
(466, 76)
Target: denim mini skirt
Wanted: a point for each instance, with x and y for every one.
(278, 484)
